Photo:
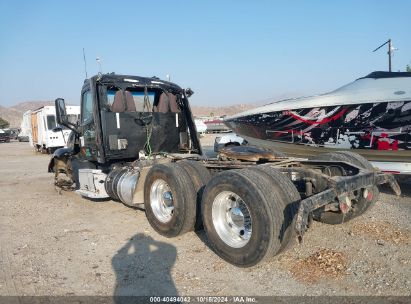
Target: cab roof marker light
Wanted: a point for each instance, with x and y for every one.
(131, 80)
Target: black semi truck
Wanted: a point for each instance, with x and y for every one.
(136, 142)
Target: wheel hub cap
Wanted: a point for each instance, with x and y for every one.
(161, 201)
(231, 219)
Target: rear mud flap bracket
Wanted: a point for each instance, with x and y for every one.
(338, 188)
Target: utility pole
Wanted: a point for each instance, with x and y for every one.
(390, 49)
(389, 55)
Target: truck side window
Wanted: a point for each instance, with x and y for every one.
(87, 108)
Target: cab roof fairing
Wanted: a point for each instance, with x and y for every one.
(124, 81)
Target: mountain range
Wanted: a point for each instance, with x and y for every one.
(14, 114)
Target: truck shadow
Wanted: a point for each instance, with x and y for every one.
(143, 268)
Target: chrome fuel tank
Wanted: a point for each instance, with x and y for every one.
(121, 183)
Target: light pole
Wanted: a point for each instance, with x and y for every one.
(99, 65)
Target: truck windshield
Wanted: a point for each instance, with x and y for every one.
(51, 122)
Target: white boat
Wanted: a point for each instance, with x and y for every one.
(370, 116)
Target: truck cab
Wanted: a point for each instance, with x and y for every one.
(124, 118)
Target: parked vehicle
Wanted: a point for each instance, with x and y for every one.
(46, 136)
(228, 140)
(216, 126)
(25, 128)
(137, 143)
(12, 132)
(200, 126)
(370, 116)
(22, 138)
(4, 137)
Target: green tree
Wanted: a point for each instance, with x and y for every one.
(4, 123)
(408, 68)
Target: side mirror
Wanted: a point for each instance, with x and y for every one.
(61, 116)
(61, 113)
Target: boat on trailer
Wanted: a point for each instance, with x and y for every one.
(370, 116)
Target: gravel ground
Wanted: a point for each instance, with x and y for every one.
(55, 244)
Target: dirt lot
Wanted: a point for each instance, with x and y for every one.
(55, 244)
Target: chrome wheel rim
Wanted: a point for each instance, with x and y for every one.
(161, 201)
(231, 219)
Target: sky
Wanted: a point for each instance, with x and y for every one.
(227, 52)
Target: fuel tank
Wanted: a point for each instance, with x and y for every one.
(121, 183)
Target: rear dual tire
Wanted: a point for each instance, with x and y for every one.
(200, 176)
(172, 196)
(247, 216)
